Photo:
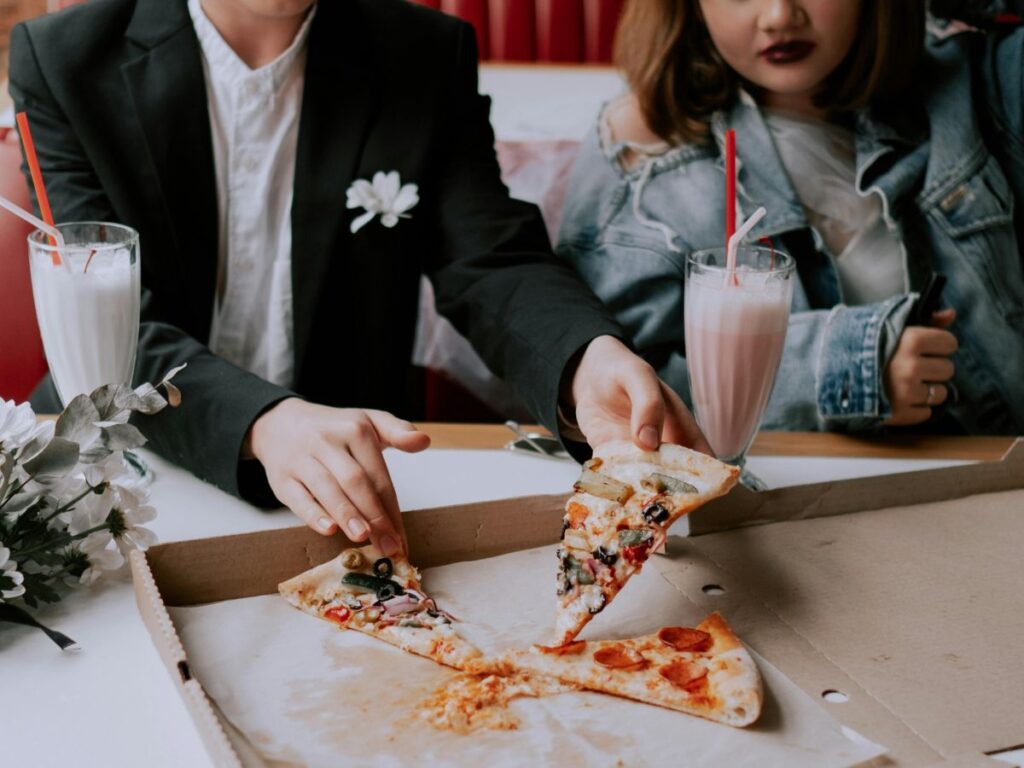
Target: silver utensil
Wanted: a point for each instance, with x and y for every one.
(535, 444)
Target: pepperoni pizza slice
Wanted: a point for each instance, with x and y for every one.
(704, 671)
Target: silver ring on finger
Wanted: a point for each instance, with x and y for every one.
(931, 395)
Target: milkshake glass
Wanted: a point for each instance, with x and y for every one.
(735, 326)
(87, 304)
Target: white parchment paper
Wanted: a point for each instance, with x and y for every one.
(303, 692)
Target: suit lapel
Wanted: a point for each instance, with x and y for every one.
(168, 92)
(338, 107)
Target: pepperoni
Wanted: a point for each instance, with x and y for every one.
(618, 657)
(340, 614)
(685, 639)
(570, 649)
(576, 515)
(683, 674)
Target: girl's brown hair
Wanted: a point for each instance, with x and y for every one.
(679, 79)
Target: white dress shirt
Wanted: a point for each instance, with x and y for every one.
(254, 123)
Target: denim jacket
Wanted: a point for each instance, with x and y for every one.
(948, 191)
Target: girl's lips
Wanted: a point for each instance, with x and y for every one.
(787, 53)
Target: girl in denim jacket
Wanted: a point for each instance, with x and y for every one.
(882, 155)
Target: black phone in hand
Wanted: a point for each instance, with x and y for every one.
(928, 302)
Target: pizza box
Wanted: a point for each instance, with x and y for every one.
(743, 507)
(905, 622)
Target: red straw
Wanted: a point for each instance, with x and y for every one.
(730, 184)
(768, 241)
(37, 178)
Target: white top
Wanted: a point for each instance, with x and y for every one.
(254, 123)
(821, 162)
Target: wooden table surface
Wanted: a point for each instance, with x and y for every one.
(495, 436)
(771, 443)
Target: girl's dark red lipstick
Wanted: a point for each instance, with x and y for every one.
(787, 53)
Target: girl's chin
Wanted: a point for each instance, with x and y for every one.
(787, 89)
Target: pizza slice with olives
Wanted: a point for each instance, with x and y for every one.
(362, 590)
(703, 671)
(625, 500)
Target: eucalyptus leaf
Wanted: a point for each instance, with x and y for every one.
(173, 394)
(144, 399)
(58, 458)
(173, 372)
(6, 470)
(104, 399)
(122, 436)
(78, 422)
(97, 453)
(34, 447)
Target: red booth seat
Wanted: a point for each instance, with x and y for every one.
(22, 364)
(539, 30)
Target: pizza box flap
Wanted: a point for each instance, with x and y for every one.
(920, 607)
(743, 507)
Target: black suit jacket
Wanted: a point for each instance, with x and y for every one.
(116, 98)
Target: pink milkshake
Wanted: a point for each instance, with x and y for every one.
(735, 334)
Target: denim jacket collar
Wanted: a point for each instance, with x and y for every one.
(762, 175)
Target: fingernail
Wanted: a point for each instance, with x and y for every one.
(325, 524)
(388, 546)
(357, 529)
(649, 437)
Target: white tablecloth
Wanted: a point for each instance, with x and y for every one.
(113, 703)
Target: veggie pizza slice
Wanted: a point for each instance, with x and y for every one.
(362, 590)
(625, 500)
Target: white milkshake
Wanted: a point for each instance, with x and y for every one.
(735, 334)
(88, 307)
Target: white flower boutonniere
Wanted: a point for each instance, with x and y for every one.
(386, 196)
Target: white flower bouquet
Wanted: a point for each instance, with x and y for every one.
(73, 498)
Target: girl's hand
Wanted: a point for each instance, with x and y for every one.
(914, 379)
(618, 396)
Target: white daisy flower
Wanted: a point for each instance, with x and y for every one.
(18, 425)
(100, 557)
(10, 579)
(124, 517)
(91, 509)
